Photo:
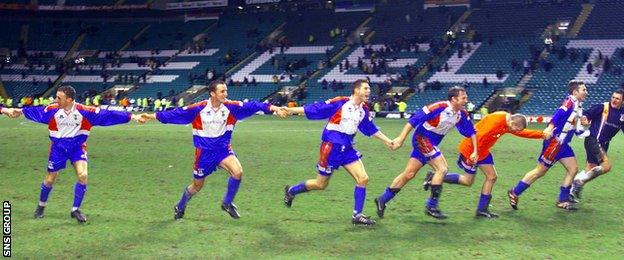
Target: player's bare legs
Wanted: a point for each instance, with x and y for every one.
(410, 171)
(530, 177)
(486, 191)
(46, 188)
(440, 167)
(189, 192)
(571, 166)
(357, 171)
(79, 190)
(490, 178)
(234, 168)
(466, 180)
(591, 171)
(320, 183)
(538, 172)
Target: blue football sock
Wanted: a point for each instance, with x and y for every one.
(299, 188)
(436, 191)
(484, 201)
(520, 188)
(564, 193)
(232, 189)
(359, 195)
(388, 195)
(186, 196)
(432, 203)
(452, 178)
(45, 193)
(79, 192)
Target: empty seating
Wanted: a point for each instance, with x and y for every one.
(520, 20)
(605, 21)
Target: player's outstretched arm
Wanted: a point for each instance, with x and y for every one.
(178, 116)
(321, 110)
(12, 112)
(105, 117)
(530, 134)
(138, 118)
(548, 131)
(474, 156)
(37, 114)
(147, 117)
(295, 110)
(383, 138)
(280, 112)
(399, 140)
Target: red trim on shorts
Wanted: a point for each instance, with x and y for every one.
(326, 148)
(197, 155)
(424, 145)
(552, 150)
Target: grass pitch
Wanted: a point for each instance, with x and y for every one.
(137, 173)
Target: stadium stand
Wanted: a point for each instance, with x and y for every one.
(605, 21)
(516, 20)
(156, 56)
(404, 20)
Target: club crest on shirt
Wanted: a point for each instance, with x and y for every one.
(622, 117)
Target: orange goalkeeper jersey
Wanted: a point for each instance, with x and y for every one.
(489, 129)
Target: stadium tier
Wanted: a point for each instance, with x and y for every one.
(11, 34)
(161, 57)
(516, 20)
(604, 21)
(110, 36)
(169, 35)
(318, 24)
(404, 20)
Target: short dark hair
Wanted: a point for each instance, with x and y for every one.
(574, 85)
(619, 91)
(455, 91)
(213, 85)
(68, 90)
(358, 83)
(519, 119)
